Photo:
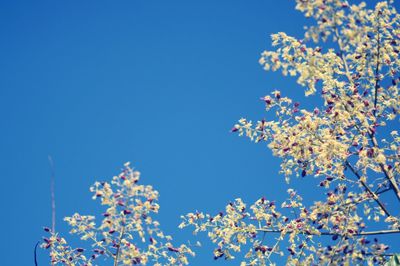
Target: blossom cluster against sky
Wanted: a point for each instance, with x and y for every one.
(159, 83)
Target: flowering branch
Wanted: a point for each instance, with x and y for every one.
(130, 207)
(325, 142)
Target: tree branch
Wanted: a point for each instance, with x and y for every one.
(366, 233)
(347, 70)
(374, 196)
(387, 174)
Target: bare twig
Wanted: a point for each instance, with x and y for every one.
(383, 190)
(53, 200)
(35, 253)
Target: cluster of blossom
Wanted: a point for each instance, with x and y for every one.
(348, 142)
(127, 234)
(328, 231)
(360, 96)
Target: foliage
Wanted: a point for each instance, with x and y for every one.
(128, 217)
(348, 143)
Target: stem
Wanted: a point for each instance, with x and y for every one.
(366, 233)
(346, 67)
(101, 246)
(35, 253)
(377, 75)
(53, 199)
(374, 196)
(119, 246)
(388, 175)
(275, 246)
(381, 255)
(383, 191)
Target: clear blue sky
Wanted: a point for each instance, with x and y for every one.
(159, 83)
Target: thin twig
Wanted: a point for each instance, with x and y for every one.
(363, 233)
(387, 174)
(366, 233)
(383, 190)
(377, 75)
(53, 199)
(35, 253)
(119, 246)
(374, 196)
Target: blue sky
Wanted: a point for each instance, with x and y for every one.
(159, 83)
